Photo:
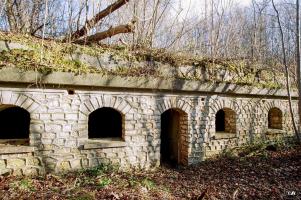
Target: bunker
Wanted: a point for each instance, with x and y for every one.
(55, 121)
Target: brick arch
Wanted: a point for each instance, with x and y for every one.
(268, 107)
(95, 103)
(173, 103)
(219, 104)
(21, 100)
(272, 104)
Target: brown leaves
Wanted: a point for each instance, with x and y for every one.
(273, 177)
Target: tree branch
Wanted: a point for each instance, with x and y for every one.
(92, 22)
(127, 28)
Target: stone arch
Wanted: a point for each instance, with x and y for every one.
(267, 106)
(225, 120)
(105, 101)
(218, 104)
(173, 103)
(108, 101)
(106, 122)
(16, 99)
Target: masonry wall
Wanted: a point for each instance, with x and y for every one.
(59, 127)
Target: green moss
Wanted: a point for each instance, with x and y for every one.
(47, 56)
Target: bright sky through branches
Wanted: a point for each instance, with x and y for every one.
(197, 6)
(198, 3)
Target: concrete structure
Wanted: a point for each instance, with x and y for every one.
(77, 122)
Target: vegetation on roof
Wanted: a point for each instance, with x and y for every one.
(47, 56)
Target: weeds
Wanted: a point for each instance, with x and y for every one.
(103, 182)
(147, 183)
(258, 148)
(24, 185)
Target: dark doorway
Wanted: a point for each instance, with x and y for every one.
(220, 121)
(15, 122)
(170, 137)
(105, 123)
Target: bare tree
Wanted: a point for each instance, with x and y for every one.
(284, 60)
(92, 22)
(298, 66)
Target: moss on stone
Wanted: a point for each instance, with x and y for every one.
(46, 56)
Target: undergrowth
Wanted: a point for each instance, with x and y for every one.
(54, 56)
(259, 148)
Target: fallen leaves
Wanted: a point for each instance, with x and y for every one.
(274, 176)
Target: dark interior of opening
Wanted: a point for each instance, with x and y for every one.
(15, 122)
(71, 91)
(275, 118)
(105, 123)
(220, 121)
(170, 121)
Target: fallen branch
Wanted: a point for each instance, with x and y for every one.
(92, 22)
(127, 28)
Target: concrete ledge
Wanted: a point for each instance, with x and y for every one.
(271, 131)
(15, 75)
(105, 143)
(11, 149)
(224, 135)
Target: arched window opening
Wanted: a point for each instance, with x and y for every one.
(15, 123)
(105, 123)
(225, 121)
(275, 118)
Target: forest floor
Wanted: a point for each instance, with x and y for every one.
(255, 173)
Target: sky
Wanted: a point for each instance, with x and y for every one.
(185, 3)
(196, 6)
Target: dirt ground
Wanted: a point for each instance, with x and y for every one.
(259, 175)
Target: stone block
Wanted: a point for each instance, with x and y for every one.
(15, 163)
(64, 166)
(76, 164)
(70, 143)
(45, 116)
(53, 128)
(33, 161)
(31, 172)
(59, 141)
(71, 116)
(37, 127)
(93, 162)
(17, 172)
(58, 116)
(2, 164)
(5, 172)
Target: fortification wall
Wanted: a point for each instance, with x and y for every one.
(59, 126)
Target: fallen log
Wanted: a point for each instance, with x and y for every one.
(127, 28)
(92, 22)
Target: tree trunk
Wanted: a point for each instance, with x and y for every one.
(298, 66)
(127, 28)
(92, 22)
(286, 71)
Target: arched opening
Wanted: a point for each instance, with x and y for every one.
(173, 134)
(275, 118)
(225, 122)
(105, 123)
(220, 121)
(15, 123)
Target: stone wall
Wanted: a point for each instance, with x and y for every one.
(59, 127)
